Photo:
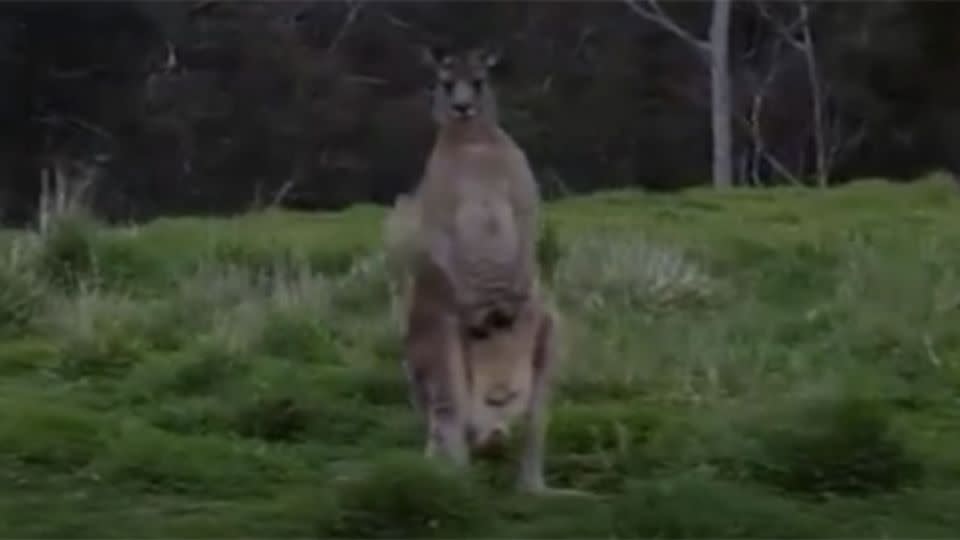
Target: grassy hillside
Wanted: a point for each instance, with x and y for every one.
(781, 363)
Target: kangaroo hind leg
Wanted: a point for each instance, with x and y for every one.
(438, 386)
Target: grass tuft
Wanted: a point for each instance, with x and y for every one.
(842, 446)
(618, 271)
(405, 496)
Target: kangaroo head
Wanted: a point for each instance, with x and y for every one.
(461, 89)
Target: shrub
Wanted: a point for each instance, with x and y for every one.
(549, 250)
(597, 446)
(630, 272)
(406, 496)
(66, 253)
(364, 286)
(62, 437)
(97, 333)
(22, 291)
(842, 445)
(697, 506)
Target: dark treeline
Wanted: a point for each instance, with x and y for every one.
(176, 107)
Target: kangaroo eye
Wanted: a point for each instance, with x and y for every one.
(478, 84)
(447, 86)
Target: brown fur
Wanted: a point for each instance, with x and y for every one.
(501, 362)
(500, 374)
(462, 248)
(478, 198)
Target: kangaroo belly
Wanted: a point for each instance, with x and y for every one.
(486, 244)
(486, 231)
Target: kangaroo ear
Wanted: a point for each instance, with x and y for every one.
(434, 56)
(428, 57)
(490, 57)
(488, 53)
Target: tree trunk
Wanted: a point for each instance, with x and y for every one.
(720, 94)
(816, 95)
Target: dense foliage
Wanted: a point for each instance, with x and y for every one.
(209, 106)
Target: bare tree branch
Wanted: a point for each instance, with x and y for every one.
(365, 79)
(55, 119)
(842, 142)
(281, 194)
(584, 35)
(651, 10)
(171, 61)
(786, 31)
(203, 7)
(805, 45)
(353, 10)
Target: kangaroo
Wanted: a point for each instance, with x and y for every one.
(478, 196)
(480, 338)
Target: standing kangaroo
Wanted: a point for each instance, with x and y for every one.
(480, 338)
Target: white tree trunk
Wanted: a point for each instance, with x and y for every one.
(716, 53)
(816, 97)
(720, 92)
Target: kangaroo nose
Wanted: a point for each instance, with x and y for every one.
(499, 320)
(463, 108)
(493, 440)
(497, 438)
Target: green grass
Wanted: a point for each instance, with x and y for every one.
(765, 363)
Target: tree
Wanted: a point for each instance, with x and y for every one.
(805, 45)
(715, 51)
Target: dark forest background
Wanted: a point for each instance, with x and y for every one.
(211, 107)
